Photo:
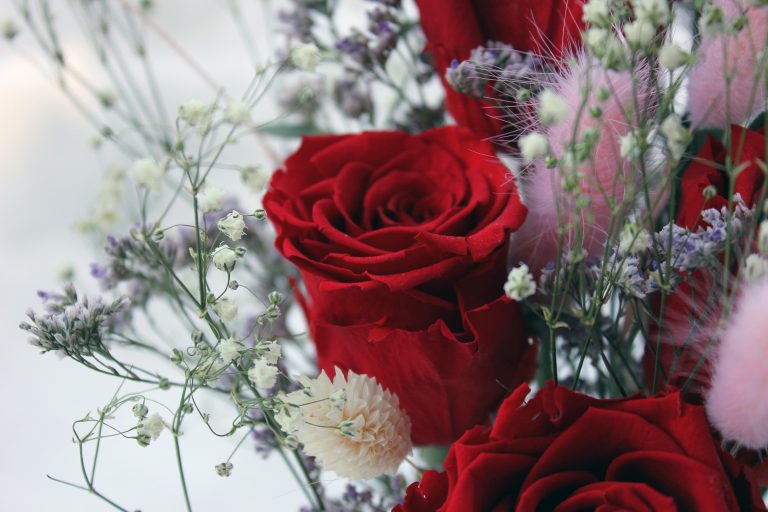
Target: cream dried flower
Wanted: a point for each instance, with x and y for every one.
(361, 437)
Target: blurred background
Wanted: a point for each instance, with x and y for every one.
(49, 175)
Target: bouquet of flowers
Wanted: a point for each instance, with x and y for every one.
(499, 255)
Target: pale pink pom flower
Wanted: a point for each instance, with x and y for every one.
(736, 402)
(737, 55)
(604, 178)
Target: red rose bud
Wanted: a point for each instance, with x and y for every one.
(566, 451)
(402, 243)
(455, 27)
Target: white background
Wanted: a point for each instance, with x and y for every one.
(48, 175)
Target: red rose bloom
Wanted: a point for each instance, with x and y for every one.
(455, 27)
(690, 304)
(402, 242)
(565, 452)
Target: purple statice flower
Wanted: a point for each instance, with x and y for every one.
(356, 47)
(353, 95)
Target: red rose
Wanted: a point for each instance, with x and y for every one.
(690, 306)
(455, 27)
(402, 243)
(564, 451)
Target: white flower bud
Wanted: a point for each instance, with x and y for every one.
(211, 199)
(237, 113)
(195, 112)
(755, 268)
(140, 411)
(147, 173)
(224, 258)
(639, 34)
(9, 29)
(233, 225)
(762, 238)
(597, 12)
(520, 284)
(655, 12)
(269, 351)
(230, 349)
(224, 469)
(629, 148)
(533, 146)
(226, 309)
(552, 107)
(712, 20)
(256, 178)
(676, 134)
(306, 56)
(263, 374)
(671, 56)
(633, 239)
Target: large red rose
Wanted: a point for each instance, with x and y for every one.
(690, 309)
(455, 27)
(563, 451)
(402, 242)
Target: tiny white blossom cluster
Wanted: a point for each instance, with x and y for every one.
(351, 425)
(520, 283)
(147, 173)
(233, 225)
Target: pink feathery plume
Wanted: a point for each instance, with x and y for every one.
(735, 402)
(712, 101)
(605, 179)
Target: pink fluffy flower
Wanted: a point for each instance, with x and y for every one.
(604, 178)
(736, 403)
(712, 102)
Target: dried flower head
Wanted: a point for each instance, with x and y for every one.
(361, 437)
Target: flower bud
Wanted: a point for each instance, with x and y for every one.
(140, 411)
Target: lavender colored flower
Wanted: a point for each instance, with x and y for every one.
(353, 96)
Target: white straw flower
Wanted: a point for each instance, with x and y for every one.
(232, 225)
(147, 173)
(263, 374)
(226, 309)
(520, 283)
(365, 436)
(211, 199)
(224, 258)
(230, 349)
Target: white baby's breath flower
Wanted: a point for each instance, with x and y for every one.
(712, 20)
(211, 199)
(263, 374)
(633, 239)
(671, 56)
(195, 112)
(9, 29)
(520, 283)
(755, 268)
(655, 12)
(233, 225)
(629, 147)
(224, 258)
(226, 309)
(762, 238)
(533, 146)
(639, 34)
(552, 107)
(676, 134)
(597, 12)
(369, 435)
(256, 178)
(147, 173)
(230, 349)
(306, 56)
(237, 113)
(151, 426)
(270, 351)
